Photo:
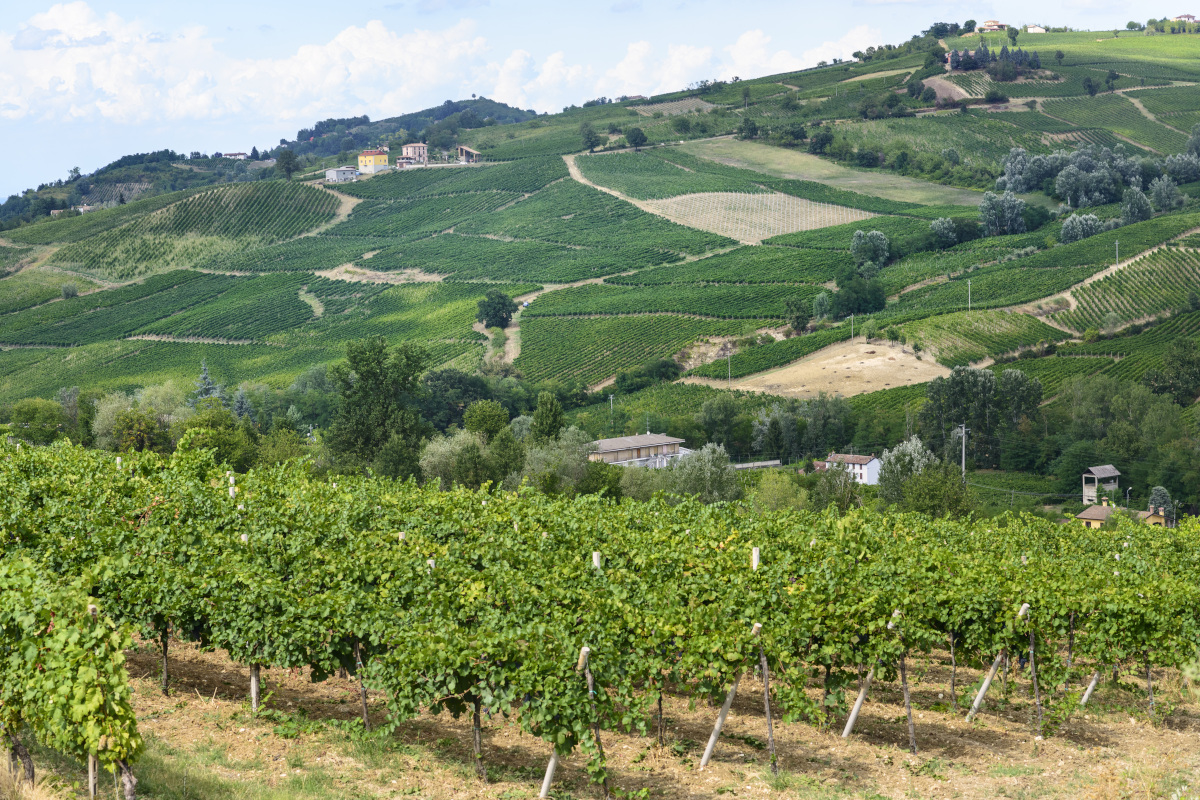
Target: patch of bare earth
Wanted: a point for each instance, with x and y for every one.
(1111, 749)
(751, 218)
(356, 274)
(946, 90)
(846, 369)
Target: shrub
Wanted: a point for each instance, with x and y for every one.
(69, 290)
(995, 96)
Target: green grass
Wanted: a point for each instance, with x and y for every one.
(720, 301)
(592, 350)
(31, 287)
(647, 176)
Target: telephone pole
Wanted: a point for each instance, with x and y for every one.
(968, 294)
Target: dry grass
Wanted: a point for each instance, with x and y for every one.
(203, 743)
(750, 218)
(13, 786)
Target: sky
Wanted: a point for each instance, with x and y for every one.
(83, 83)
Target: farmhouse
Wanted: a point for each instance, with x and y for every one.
(1102, 477)
(417, 152)
(865, 469)
(340, 174)
(1183, 18)
(1096, 515)
(1034, 29)
(237, 156)
(645, 450)
(372, 161)
(468, 156)
(991, 26)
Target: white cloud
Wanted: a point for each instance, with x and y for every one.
(641, 71)
(858, 38)
(71, 63)
(510, 78)
(750, 57)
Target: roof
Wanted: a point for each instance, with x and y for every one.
(631, 442)
(468, 149)
(1099, 513)
(333, 169)
(1105, 471)
(843, 458)
(372, 153)
(415, 144)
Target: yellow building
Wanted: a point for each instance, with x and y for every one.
(371, 161)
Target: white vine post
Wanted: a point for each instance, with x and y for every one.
(1091, 688)
(766, 677)
(549, 779)
(596, 559)
(716, 734)
(858, 704)
(754, 558)
(987, 682)
(93, 762)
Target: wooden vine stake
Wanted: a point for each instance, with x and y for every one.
(912, 731)
(1037, 697)
(591, 684)
(165, 681)
(362, 686)
(93, 768)
(1091, 688)
(254, 688)
(716, 734)
(766, 677)
(987, 681)
(553, 765)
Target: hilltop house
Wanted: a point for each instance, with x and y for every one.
(644, 450)
(237, 156)
(416, 153)
(1034, 29)
(340, 174)
(1102, 477)
(865, 469)
(372, 161)
(468, 156)
(1184, 18)
(991, 26)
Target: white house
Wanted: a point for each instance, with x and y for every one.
(1105, 477)
(340, 174)
(865, 469)
(237, 156)
(1034, 29)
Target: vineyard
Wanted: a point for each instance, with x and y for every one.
(1053, 371)
(461, 257)
(406, 219)
(1162, 281)
(966, 337)
(1117, 114)
(252, 308)
(1141, 351)
(595, 349)
(653, 176)
(719, 301)
(979, 83)
(749, 265)
(685, 106)
(773, 354)
(224, 220)
(481, 603)
(838, 237)
(306, 254)
(523, 177)
(978, 138)
(75, 229)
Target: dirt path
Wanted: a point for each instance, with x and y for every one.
(946, 90)
(356, 274)
(577, 174)
(346, 204)
(159, 337)
(1146, 113)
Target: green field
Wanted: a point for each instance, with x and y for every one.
(1115, 113)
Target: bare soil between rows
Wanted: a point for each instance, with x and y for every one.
(1111, 751)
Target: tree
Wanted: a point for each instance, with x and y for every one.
(1002, 214)
(1059, 55)
(707, 474)
(1180, 374)
(591, 139)
(69, 290)
(636, 137)
(820, 141)
(214, 427)
(378, 424)
(254, 154)
(869, 249)
(798, 312)
(939, 491)
(548, 419)
(821, 305)
(1134, 206)
(1090, 86)
(1079, 226)
(969, 26)
(745, 97)
(496, 309)
(945, 231)
(1193, 142)
(242, 408)
(139, 430)
(1165, 194)
(836, 487)
(206, 388)
(899, 465)
(1161, 498)
(38, 421)
(1013, 33)
(748, 129)
(487, 418)
(717, 417)
(287, 162)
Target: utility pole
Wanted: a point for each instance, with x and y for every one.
(968, 294)
(1117, 244)
(964, 449)
(728, 370)
(851, 326)
(610, 413)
